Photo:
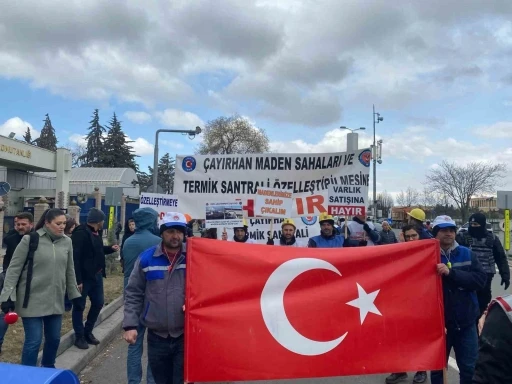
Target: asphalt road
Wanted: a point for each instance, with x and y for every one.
(110, 366)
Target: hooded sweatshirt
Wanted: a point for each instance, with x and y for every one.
(143, 238)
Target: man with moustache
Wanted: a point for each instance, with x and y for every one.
(155, 298)
(287, 238)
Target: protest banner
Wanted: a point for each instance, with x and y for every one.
(224, 215)
(202, 179)
(271, 202)
(161, 203)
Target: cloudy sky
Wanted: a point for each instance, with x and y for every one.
(438, 72)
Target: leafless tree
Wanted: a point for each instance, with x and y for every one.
(233, 134)
(77, 151)
(408, 197)
(385, 202)
(460, 182)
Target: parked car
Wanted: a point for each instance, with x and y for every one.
(465, 227)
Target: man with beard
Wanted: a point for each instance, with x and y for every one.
(241, 234)
(287, 238)
(489, 251)
(328, 237)
(155, 297)
(23, 225)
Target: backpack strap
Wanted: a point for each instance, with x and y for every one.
(32, 247)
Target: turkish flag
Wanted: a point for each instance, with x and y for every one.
(258, 312)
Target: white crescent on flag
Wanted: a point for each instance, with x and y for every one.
(274, 315)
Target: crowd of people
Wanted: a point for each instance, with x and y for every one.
(67, 265)
(49, 268)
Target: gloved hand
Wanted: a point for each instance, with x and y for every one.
(270, 241)
(8, 306)
(358, 220)
(363, 243)
(505, 282)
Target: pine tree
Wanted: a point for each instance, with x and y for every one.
(166, 173)
(28, 136)
(118, 153)
(47, 139)
(94, 153)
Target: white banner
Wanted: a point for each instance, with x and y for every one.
(272, 202)
(204, 179)
(161, 203)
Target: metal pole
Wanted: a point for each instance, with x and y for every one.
(155, 163)
(374, 154)
(194, 132)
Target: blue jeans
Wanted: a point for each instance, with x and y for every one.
(465, 344)
(133, 360)
(166, 357)
(94, 290)
(34, 327)
(3, 328)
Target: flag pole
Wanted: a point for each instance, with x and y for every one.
(346, 227)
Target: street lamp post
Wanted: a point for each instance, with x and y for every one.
(352, 138)
(189, 132)
(377, 118)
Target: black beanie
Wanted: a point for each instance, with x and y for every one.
(95, 216)
(479, 218)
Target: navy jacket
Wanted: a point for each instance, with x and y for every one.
(466, 276)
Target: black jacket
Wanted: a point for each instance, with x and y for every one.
(88, 253)
(126, 235)
(494, 364)
(11, 241)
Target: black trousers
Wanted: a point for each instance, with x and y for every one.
(166, 356)
(485, 294)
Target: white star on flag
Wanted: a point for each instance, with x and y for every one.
(365, 302)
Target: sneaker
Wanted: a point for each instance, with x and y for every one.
(396, 378)
(89, 337)
(420, 377)
(81, 343)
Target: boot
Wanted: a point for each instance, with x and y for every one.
(90, 339)
(81, 343)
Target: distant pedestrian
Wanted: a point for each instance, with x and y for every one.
(23, 225)
(416, 218)
(387, 236)
(489, 251)
(89, 258)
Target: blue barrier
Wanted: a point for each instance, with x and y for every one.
(18, 374)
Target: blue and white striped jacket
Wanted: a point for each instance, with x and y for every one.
(154, 295)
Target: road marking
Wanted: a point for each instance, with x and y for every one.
(452, 363)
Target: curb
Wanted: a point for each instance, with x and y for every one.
(76, 359)
(68, 340)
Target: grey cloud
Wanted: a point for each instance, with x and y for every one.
(450, 74)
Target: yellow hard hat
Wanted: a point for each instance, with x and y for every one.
(324, 216)
(245, 222)
(288, 222)
(417, 214)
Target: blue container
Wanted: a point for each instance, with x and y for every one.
(21, 374)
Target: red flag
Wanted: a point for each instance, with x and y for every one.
(257, 312)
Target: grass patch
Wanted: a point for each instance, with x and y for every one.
(15, 336)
